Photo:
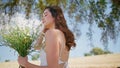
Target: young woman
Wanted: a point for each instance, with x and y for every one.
(58, 41)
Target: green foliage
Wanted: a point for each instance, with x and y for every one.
(7, 60)
(107, 52)
(28, 6)
(105, 14)
(97, 51)
(87, 54)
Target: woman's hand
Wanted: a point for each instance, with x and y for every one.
(22, 60)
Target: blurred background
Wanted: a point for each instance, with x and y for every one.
(95, 24)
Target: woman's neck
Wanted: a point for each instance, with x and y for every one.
(52, 26)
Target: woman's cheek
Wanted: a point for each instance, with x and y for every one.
(45, 23)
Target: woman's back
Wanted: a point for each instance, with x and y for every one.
(63, 51)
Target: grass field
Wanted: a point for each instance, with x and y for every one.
(100, 61)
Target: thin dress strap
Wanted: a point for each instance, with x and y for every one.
(61, 50)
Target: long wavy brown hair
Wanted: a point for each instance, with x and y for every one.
(60, 23)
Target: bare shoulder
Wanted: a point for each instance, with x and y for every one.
(52, 32)
(51, 36)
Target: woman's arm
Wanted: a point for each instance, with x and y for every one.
(52, 48)
(24, 62)
(38, 42)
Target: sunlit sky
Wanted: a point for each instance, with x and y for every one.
(82, 47)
